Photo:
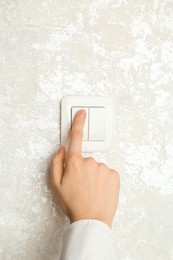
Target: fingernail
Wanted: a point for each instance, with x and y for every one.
(82, 113)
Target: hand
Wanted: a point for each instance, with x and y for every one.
(84, 188)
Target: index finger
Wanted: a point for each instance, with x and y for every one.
(76, 134)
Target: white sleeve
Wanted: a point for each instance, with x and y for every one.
(88, 239)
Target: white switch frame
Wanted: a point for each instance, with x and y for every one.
(87, 101)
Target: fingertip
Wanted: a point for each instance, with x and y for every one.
(63, 148)
(82, 113)
(59, 149)
(79, 117)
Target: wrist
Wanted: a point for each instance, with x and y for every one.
(107, 222)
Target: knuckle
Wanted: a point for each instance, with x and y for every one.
(90, 160)
(102, 166)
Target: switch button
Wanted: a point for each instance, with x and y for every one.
(97, 124)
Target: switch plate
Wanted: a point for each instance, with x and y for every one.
(98, 138)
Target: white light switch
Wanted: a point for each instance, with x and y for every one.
(97, 124)
(85, 131)
(98, 128)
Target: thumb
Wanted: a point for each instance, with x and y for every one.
(57, 166)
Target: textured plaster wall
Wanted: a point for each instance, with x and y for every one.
(53, 48)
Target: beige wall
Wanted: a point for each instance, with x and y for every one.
(53, 48)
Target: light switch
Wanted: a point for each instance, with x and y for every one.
(98, 128)
(97, 124)
(85, 131)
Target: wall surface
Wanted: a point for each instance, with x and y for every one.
(53, 48)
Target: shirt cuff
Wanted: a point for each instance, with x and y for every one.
(88, 239)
